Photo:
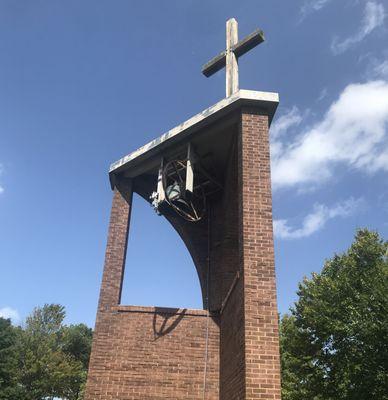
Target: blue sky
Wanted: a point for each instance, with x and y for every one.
(83, 83)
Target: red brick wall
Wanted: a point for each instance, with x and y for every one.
(151, 353)
(116, 247)
(232, 350)
(249, 352)
(256, 237)
(232, 367)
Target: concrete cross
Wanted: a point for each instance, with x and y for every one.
(229, 57)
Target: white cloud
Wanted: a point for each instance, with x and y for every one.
(352, 133)
(376, 67)
(374, 15)
(291, 118)
(8, 312)
(381, 69)
(311, 6)
(322, 94)
(316, 220)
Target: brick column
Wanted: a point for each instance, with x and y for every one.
(262, 361)
(116, 248)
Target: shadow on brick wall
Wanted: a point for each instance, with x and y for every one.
(169, 322)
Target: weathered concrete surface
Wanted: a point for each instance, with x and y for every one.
(268, 101)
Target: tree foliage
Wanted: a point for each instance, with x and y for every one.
(335, 342)
(46, 359)
(8, 360)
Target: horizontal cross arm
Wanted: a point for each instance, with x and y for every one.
(215, 64)
(248, 43)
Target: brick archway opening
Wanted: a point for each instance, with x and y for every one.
(159, 270)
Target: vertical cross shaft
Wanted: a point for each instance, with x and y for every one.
(231, 59)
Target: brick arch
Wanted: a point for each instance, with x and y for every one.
(213, 242)
(195, 238)
(187, 232)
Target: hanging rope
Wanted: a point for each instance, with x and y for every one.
(207, 303)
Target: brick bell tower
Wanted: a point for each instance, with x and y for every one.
(210, 178)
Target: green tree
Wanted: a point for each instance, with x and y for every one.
(50, 361)
(8, 361)
(77, 342)
(335, 342)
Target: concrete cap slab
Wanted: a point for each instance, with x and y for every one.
(263, 100)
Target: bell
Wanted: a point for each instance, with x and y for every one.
(173, 192)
